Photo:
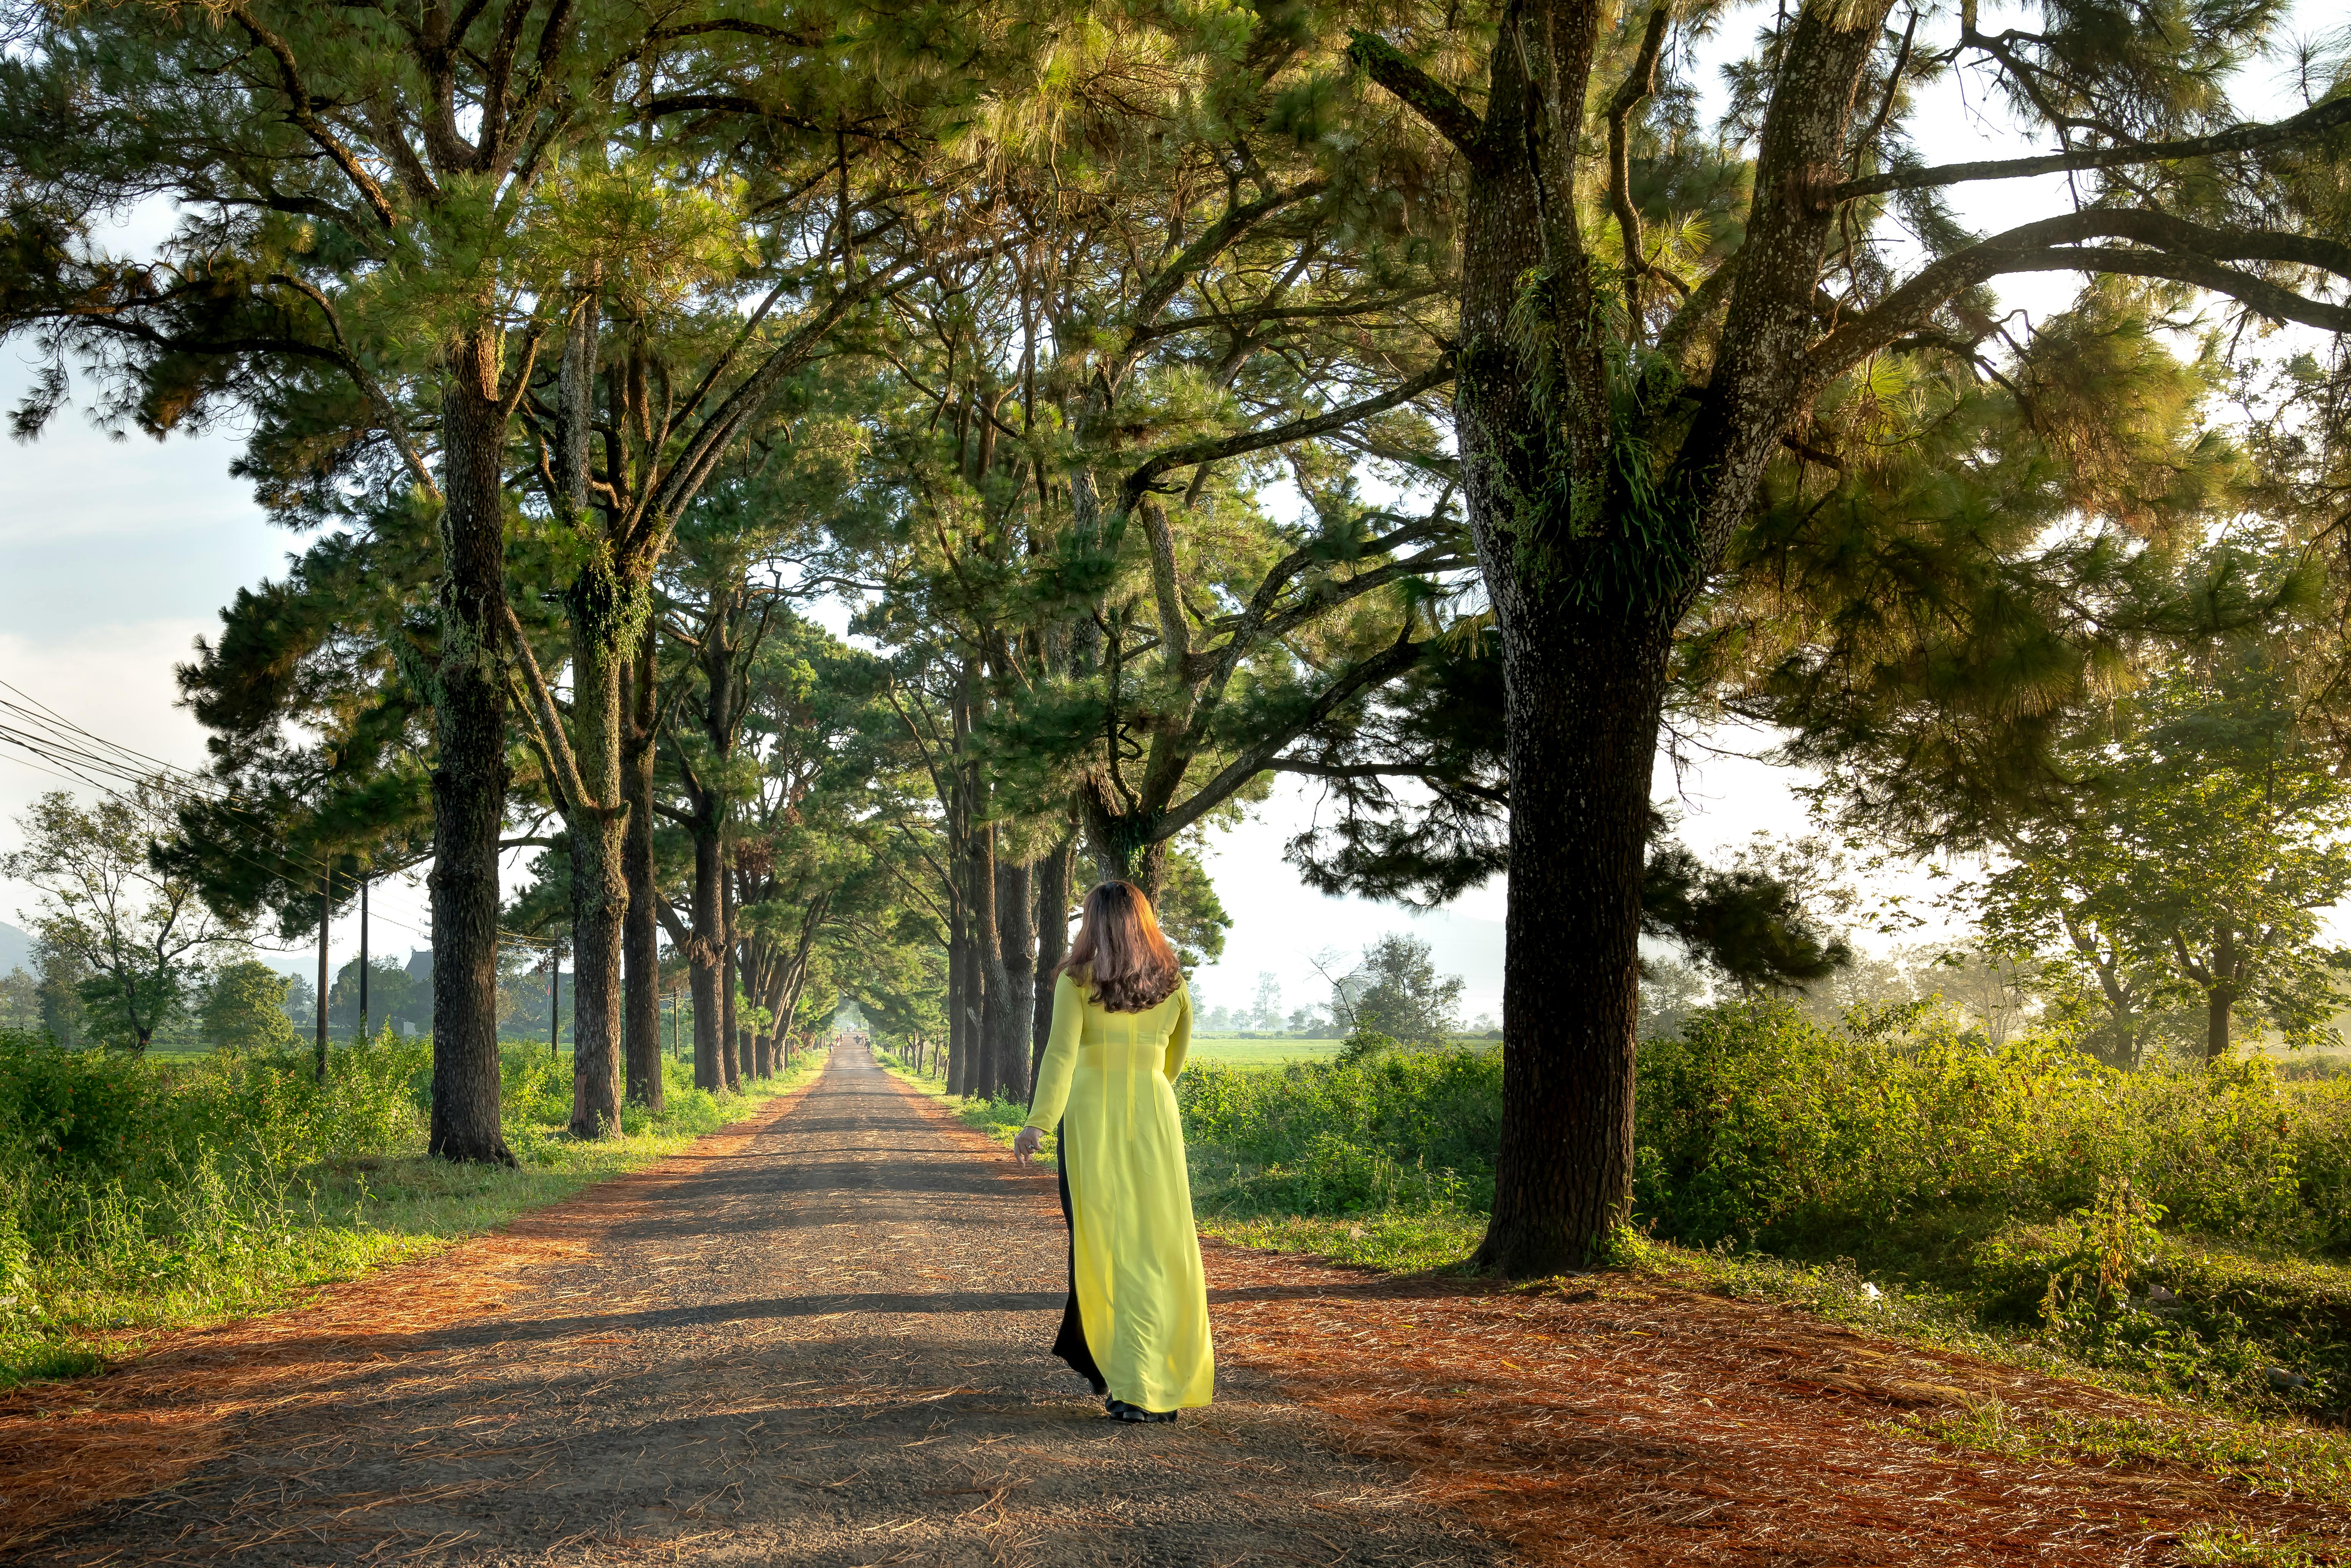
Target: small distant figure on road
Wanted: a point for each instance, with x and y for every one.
(1137, 1324)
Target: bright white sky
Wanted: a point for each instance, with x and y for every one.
(115, 556)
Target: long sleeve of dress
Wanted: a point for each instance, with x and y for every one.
(1179, 1035)
(1061, 1062)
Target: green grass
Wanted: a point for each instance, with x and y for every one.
(1228, 1051)
(234, 1204)
(2268, 1457)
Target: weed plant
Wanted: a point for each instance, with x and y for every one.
(141, 1195)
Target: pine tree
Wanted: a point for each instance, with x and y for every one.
(1628, 379)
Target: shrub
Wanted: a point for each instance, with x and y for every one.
(1383, 1129)
(1757, 1126)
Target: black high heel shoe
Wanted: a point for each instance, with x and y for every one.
(1120, 1410)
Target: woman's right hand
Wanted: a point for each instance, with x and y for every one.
(1024, 1144)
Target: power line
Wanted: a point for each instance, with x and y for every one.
(57, 739)
(171, 781)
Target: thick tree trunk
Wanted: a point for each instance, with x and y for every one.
(1121, 843)
(2220, 998)
(1052, 944)
(1582, 703)
(2220, 1004)
(1016, 935)
(469, 777)
(641, 933)
(606, 621)
(987, 1066)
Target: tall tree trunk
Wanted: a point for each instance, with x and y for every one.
(2221, 997)
(730, 1051)
(988, 967)
(707, 953)
(793, 979)
(1583, 706)
(1052, 944)
(469, 776)
(607, 618)
(641, 934)
(1016, 935)
(958, 940)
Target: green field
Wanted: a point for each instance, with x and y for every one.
(1232, 1051)
(1248, 1053)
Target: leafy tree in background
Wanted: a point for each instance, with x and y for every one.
(348, 242)
(245, 1009)
(1397, 991)
(2210, 834)
(1670, 991)
(139, 934)
(20, 1001)
(62, 976)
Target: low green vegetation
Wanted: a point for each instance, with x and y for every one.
(1259, 1053)
(2185, 1226)
(138, 1195)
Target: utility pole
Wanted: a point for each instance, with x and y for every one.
(554, 1001)
(326, 913)
(360, 1038)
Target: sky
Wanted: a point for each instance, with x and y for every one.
(117, 554)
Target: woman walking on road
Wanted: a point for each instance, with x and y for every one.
(1136, 1326)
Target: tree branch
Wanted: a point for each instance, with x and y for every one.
(1639, 84)
(1247, 441)
(2183, 251)
(2333, 114)
(1420, 92)
(1389, 663)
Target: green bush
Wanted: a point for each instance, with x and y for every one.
(1757, 1126)
(1384, 1130)
(2173, 1223)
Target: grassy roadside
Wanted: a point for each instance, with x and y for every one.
(240, 1236)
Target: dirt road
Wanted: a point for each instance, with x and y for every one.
(822, 1342)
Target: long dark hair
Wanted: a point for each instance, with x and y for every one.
(1120, 955)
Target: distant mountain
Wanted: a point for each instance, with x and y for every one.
(15, 949)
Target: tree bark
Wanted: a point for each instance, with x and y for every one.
(2221, 997)
(606, 618)
(1052, 944)
(469, 777)
(1016, 932)
(730, 1052)
(705, 955)
(641, 934)
(1582, 701)
(958, 940)
(986, 1076)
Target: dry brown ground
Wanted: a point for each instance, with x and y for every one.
(818, 1338)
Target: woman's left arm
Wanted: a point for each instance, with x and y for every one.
(1179, 1036)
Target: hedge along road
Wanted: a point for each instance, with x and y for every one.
(820, 1340)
